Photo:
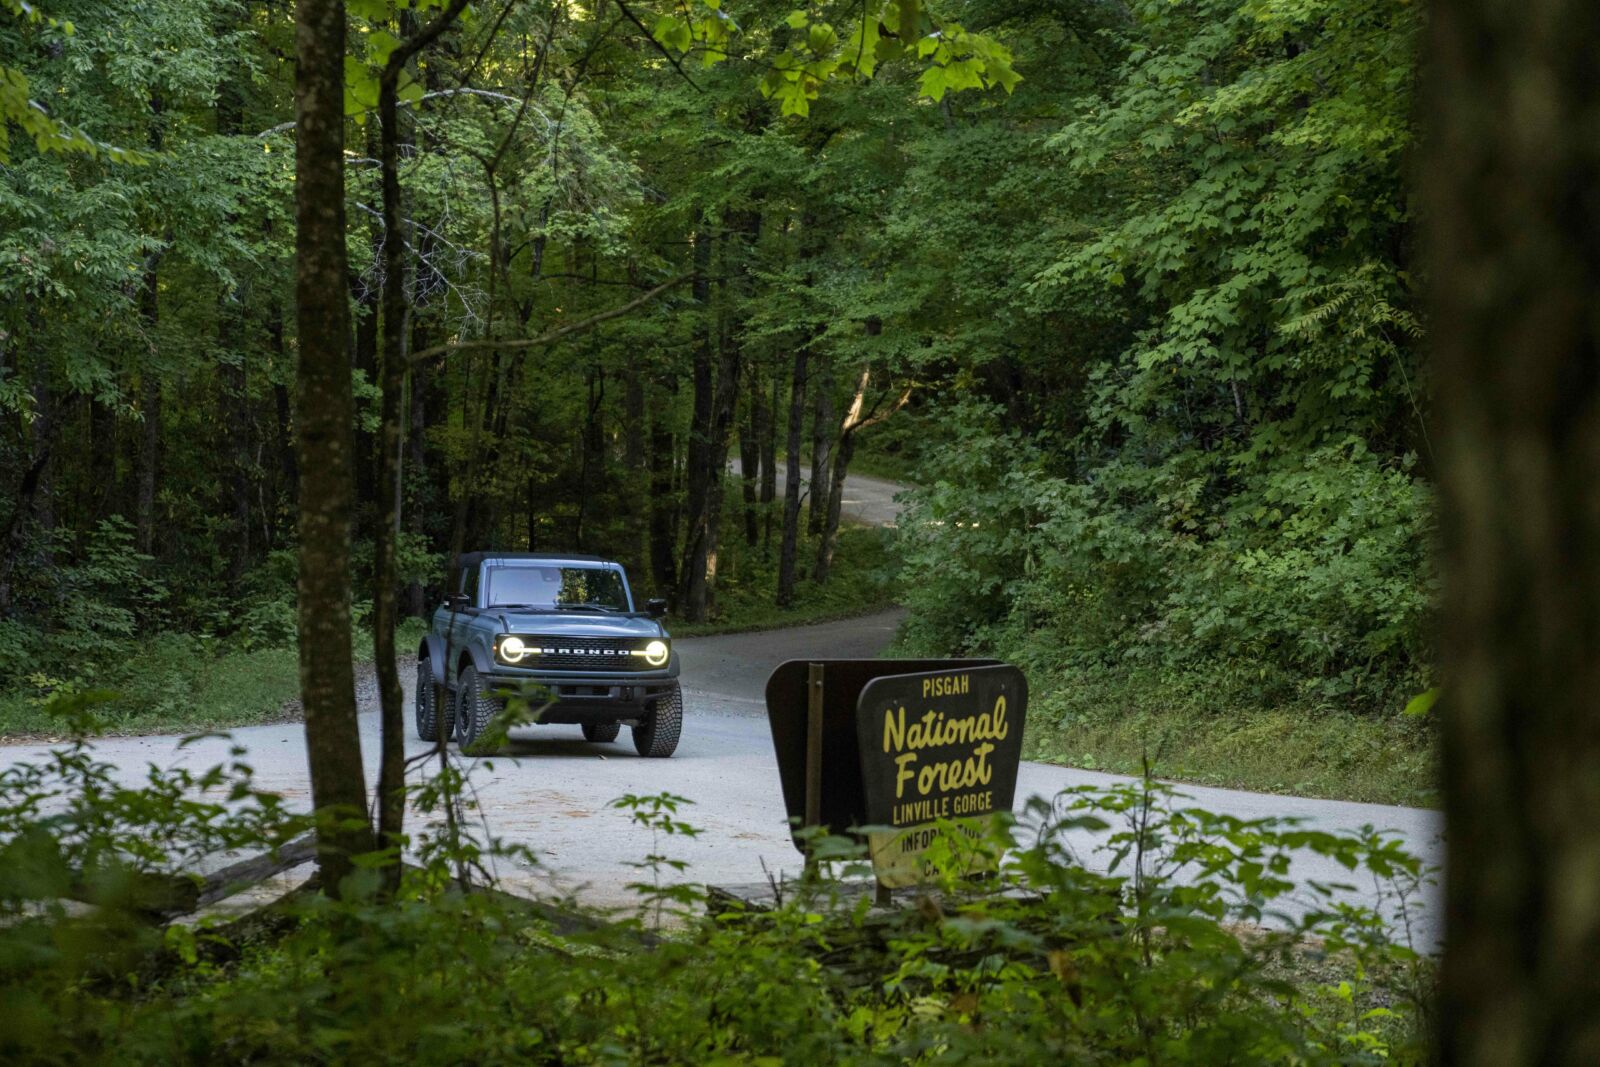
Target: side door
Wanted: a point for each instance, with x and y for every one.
(454, 626)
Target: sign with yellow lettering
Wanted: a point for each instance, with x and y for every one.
(939, 745)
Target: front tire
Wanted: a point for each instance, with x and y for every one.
(601, 731)
(475, 710)
(656, 736)
(426, 703)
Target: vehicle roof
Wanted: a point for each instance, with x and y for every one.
(472, 559)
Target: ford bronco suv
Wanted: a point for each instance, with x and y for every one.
(559, 633)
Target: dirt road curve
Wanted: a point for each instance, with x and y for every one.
(552, 790)
(866, 500)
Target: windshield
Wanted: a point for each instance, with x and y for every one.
(535, 586)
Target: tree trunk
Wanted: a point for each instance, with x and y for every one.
(663, 513)
(633, 460)
(750, 460)
(791, 484)
(288, 488)
(856, 419)
(822, 429)
(417, 455)
(691, 591)
(769, 461)
(385, 591)
(391, 445)
(1514, 165)
(323, 427)
(232, 375)
(144, 508)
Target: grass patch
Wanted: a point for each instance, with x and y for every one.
(174, 683)
(1111, 722)
(863, 580)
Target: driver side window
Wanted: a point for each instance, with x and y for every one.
(469, 584)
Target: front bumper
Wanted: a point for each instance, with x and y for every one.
(584, 696)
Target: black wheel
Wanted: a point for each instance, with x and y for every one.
(657, 733)
(601, 731)
(475, 709)
(429, 728)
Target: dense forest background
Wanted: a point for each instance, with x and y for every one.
(1141, 327)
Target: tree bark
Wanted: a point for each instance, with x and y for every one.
(822, 429)
(232, 374)
(144, 508)
(324, 420)
(1514, 163)
(856, 419)
(691, 591)
(393, 363)
(663, 511)
(768, 433)
(791, 485)
(750, 460)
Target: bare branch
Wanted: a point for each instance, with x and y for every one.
(551, 336)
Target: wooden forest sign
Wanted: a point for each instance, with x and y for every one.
(896, 745)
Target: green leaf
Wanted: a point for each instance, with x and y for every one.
(1419, 705)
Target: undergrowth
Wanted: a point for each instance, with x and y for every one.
(1122, 927)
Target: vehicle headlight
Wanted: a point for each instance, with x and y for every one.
(656, 653)
(512, 649)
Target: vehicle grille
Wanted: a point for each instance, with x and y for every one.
(585, 654)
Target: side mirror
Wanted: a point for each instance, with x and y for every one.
(655, 607)
(457, 601)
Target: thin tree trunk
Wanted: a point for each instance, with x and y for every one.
(288, 489)
(417, 455)
(791, 484)
(750, 460)
(391, 444)
(633, 460)
(1513, 168)
(232, 376)
(323, 431)
(856, 419)
(392, 381)
(663, 519)
(691, 592)
(144, 509)
(769, 461)
(822, 429)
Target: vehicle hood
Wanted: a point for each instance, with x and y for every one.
(575, 624)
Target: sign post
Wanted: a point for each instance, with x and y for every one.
(814, 677)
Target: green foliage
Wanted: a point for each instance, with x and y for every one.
(864, 579)
(1312, 583)
(1124, 925)
(813, 51)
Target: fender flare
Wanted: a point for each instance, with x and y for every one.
(433, 648)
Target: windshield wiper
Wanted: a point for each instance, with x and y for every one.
(587, 605)
(518, 607)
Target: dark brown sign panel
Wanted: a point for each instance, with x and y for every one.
(843, 800)
(937, 745)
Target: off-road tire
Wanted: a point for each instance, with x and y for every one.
(656, 735)
(426, 703)
(475, 709)
(601, 731)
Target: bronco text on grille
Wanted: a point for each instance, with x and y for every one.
(584, 654)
